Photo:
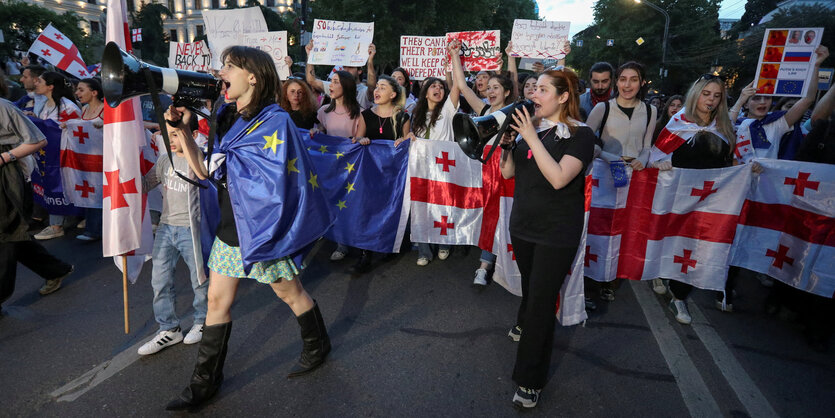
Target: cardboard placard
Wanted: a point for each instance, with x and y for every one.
(225, 28)
(274, 44)
(480, 50)
(787, 60)
(423, 56)
(340, 43)
(191, 56)
(539, 39)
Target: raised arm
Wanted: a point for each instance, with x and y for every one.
(192, 152)
(458, 75)
(371, 79)
(825, 106)
(796, 112)
(511, 68)
(744, 95)
(309, 73)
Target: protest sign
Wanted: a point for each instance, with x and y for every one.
(423, 56)
(224, 28)
(191, 56)
(480, 50)
(527, 63)
(539, 39)
(340, 43)
(274, 44)
(787, 60)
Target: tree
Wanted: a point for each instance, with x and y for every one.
(154, 46)
(21, 24)
(754, 11)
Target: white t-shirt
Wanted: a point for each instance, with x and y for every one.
(362, 94)
(442, 130)
(774, 132)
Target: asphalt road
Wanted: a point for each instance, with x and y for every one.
(408, 341)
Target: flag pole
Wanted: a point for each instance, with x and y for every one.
(125, 291)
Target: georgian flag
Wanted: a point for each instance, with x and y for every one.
(787, 229)
(678, 131)
(136, 35)
(58, 50)
(81, 163)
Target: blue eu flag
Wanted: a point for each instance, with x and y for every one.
(789, 87)
(46, 178)
(364, 185)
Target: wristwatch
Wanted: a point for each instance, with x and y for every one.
(12, 157)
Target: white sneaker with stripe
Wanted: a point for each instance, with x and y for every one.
(161, 340)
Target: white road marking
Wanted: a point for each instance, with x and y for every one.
(74, 389)
(746, 390)
(697, 396)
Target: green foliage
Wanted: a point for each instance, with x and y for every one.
(154, 46)
(754, 11)
(21, 24)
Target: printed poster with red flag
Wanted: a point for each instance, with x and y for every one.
(81, 163)
(58, 50)
(787, 229)
(480, 50)
(126, 228)
(787, 61)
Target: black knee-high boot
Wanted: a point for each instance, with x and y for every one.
(208, 372)
(317, 344)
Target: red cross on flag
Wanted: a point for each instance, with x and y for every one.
(678, 224)
(136, 35)
(787, 229)
(58, 50)
(81, 163)
(126, 228)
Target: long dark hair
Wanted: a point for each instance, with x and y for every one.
(61, 88)
(638, 68)
(419, 122)
(349, 95)
(507, 85)
(405, 73)
(262, 67)
(94, 85)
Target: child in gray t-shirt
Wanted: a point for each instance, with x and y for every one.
(180, 207)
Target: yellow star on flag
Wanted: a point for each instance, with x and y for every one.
(341, 205)
(291, 166)
(350, 187)
(350, 167)
(253, 127)
(42, 152)
(339, 154)
(272, 141)
(323, 149)
(313, 180)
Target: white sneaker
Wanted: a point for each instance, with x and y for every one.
(480, 277)
(526, 398)
(194, 335)
(658, 286)
(679, 308)
(443, 254)
(337, 255)
(161, 340)
(422, 261)
(49, 233)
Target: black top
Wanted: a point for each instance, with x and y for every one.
(382, 128)
(628, 111)
(227, 231)
(706, 150)
(301, 120)
(541, 214)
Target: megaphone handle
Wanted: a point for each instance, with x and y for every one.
(496, 141)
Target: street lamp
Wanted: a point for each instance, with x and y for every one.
(666, 29)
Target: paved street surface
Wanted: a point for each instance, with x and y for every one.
(407, 341)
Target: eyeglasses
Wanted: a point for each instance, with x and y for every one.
(708, 77)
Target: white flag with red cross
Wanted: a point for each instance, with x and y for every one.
(677, 224)
(136, 35)
(787, 229)
(58, 50)
(126, 228)
(81, 163)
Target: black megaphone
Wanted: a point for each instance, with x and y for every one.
(124, 76)
(472, 134)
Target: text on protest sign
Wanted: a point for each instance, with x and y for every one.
(787, 60)
(191, 56)
(275, 45)
(224, 28)
(480, 50)
(341, 43)
(539, 39)
(423, 56)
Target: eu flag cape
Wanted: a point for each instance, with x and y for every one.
(278, 205)
(46, 178)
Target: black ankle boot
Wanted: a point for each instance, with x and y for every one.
(364, 263)
(317, 344)
(208, 372)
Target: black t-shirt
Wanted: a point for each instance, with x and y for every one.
(706, 150)
(382, 128)
(541, 214)
(227, 230)
(303, 121)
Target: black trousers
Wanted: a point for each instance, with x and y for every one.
(32, 255)
(682, 290)
(544, 269)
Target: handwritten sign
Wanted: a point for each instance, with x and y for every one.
(274, 44)
(480, 50)
(191, 56)
(423, 56)
(341, 43)
(528, 63)
(539, 39)
(787, 60)
(224, 28)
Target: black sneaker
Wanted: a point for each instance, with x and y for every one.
(526, 398)
(515, 333)
(590, 305)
